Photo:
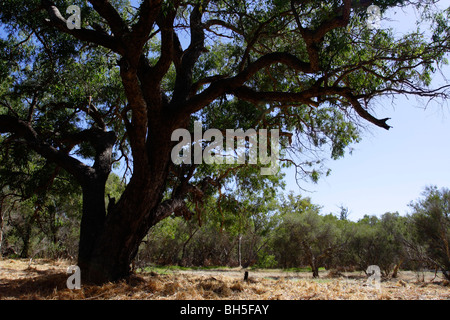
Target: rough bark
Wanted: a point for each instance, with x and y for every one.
(109, 242)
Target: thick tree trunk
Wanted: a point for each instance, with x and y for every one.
(109, 242)
(123, 230)
(92, 223)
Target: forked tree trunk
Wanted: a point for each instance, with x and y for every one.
(110, 239)
(116, 245)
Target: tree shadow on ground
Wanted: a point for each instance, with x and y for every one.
(36, 287)
(37, 284)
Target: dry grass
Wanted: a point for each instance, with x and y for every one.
(44, 279)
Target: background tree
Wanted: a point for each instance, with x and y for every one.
(375, 242)
(393, 230)
(37, 200)
(115, 90)
(228, 232)
(431, 226)
(45, 223)
(304, 237)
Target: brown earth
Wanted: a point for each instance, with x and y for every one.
(46, 279)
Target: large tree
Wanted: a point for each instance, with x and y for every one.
(115, 89)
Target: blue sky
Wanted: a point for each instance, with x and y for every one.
(389, 169)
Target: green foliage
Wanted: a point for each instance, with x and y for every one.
(378, 242)
(45, 222)
(42, 227)
(304, 237)
(430, 219)
(267, 261)
(297, 237)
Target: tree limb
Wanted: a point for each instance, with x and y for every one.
(183, 79)
(92, 36)
(110, 14)
(22, 129)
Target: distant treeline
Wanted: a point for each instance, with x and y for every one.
(296, 234)
(281, 232)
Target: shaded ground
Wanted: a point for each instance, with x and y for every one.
(46, 279)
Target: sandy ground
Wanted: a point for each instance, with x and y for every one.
(46, 279)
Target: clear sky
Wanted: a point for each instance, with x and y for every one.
(389, 169)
